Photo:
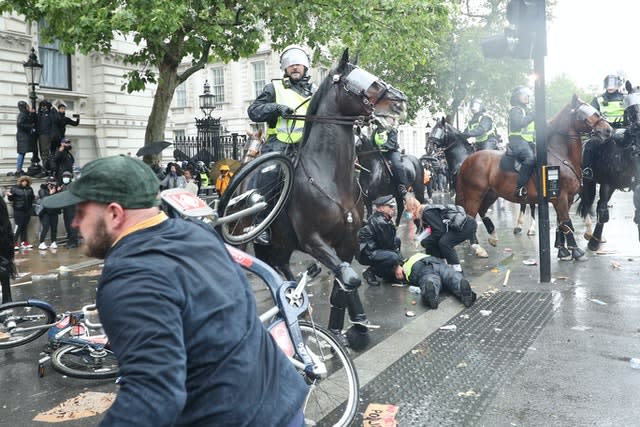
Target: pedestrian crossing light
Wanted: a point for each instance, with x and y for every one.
(518, 38)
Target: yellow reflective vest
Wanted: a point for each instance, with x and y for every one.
(287, 130)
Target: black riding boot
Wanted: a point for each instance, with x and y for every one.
(587, 161)
(523, 177)
(338, 301)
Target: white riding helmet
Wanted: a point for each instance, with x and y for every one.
(612, 81)
(294, 54)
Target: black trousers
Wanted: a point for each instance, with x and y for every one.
(443, 245)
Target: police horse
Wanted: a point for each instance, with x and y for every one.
(325, 209)
(486, 175)
(376, 178)
(617, 167)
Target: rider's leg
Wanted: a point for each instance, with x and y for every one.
(399, 174)
(587, 160)
(525, 155)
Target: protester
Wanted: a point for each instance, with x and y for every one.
(191, 348)
(26, 135)
(48, 216)
(223, 180)
(22, 197)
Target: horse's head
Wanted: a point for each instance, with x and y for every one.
(368, 95)
(589, 120)
(443, 134)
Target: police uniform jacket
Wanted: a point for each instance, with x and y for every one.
(378, 234)
(264, 108)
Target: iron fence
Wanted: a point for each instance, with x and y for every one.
(209, 149)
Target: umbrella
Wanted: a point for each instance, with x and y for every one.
(234, 165)
(153, 148)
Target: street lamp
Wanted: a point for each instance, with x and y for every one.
(208, 140)
(207, 100)
(33, 72)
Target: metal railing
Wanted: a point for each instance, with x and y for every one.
(209, 149)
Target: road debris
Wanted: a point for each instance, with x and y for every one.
(448, 328)
(87, 404)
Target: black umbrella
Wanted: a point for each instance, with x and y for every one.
(153, 149)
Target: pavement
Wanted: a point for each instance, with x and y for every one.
(526, 354)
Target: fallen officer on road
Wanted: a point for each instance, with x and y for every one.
(431, 275)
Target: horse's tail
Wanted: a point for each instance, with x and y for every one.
(587, 197)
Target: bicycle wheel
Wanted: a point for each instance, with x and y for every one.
(84, 361)
(22, 322)
(268, 178)
(333, 398)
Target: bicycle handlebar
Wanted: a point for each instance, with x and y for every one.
(85, 311)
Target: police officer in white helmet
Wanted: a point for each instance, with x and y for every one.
(281, 104)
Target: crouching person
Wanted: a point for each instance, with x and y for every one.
(431, 274)
(378, 245)
(450, 226)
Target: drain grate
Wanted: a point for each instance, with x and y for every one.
(450, 378)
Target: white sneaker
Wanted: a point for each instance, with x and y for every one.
(54, 245)
(42, 246)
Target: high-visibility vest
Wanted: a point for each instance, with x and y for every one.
(287, 130)
(204, 179)
(475, 124)
(612, 111)
(527, 133)
(408, 264)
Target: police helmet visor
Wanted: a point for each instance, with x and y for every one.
(292, 57)
(611, 82)
(362, 82)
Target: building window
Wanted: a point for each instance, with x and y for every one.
(217, 85)
(178, 134)
(259, 77)
(56, 71)
(181, 95)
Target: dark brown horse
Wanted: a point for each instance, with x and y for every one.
(487, 175)
(325, 210)
(376, 177)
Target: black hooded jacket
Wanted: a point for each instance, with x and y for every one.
(26, 129)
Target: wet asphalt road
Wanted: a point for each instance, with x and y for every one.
(576, 372)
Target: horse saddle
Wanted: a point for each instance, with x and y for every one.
(509, 162)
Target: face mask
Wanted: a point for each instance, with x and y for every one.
(66, 180)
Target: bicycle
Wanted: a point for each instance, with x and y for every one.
(71, 347)
(319, 358)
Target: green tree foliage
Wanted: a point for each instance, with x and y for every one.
(559, 93)
(398, 39)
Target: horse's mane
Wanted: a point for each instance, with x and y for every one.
(557, 117)
(314, 104)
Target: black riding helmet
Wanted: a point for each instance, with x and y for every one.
(517, 92)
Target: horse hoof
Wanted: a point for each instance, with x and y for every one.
(593, 245)
(531, 233)
(577, 253)
(587, 236)
(517, 230)
(493, 241)
(479, 251)
(564, 254)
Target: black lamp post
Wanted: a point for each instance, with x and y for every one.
(33, 72)
(208, 128)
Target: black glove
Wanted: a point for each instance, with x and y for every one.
(283, 110)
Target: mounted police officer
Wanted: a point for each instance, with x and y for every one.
(522, 137)
(379, 247)
(387, 142)
(481, 127)
(610, 104)
(282, 98)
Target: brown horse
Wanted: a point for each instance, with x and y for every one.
(486, 175)
(325, 209)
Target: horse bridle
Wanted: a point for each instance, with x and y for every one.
(361, 84)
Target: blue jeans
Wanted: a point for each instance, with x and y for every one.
(19, 161)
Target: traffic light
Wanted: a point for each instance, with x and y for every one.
(518, 39)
